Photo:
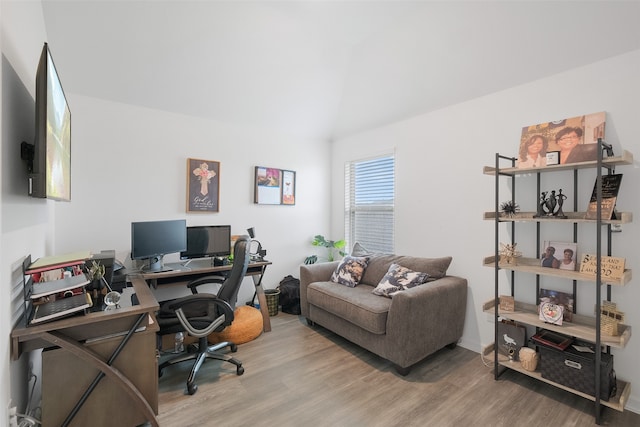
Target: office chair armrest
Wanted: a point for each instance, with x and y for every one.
(179, 305)
(203, 281)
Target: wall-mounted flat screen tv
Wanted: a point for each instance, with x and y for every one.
(50, 170)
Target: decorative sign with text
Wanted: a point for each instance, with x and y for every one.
(610, 267)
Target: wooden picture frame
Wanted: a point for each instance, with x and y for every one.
(267, 186)
(559, 255)
(203, 185)
(288, 187)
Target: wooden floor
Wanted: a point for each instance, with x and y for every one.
(298, 375)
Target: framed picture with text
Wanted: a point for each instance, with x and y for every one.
(203, 185)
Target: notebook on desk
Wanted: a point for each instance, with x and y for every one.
(60, 308)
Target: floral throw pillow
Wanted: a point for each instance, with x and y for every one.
(350, 271)
(399, 278)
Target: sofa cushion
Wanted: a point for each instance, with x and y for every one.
(399, 278)
(378, 266)
(357, 305)
(349, 272)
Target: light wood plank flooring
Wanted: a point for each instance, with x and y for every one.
(298, 375)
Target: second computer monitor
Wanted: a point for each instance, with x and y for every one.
(207, 241)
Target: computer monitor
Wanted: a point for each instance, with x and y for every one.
(153, 239)
(205, 241)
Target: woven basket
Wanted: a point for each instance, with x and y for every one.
(272, 300)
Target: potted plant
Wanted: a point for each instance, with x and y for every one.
(333, 247)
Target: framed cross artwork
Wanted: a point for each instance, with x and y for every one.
(203, 185)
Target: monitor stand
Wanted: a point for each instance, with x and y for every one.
(156, 265)
(220, 260)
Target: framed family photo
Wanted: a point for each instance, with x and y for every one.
(561, 255)
(203, 185)
(571, 140)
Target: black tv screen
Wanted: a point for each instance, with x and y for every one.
(207, 241)
(154, 239)
(50, 176)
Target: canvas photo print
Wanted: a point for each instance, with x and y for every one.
(574, 139)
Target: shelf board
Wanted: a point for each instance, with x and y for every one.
(573, 217)
(582, 327)
(625, 159)
(616, 402)
(532, 265)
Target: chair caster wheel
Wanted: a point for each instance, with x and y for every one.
(192, 389)
(240, 370)
(233, 348)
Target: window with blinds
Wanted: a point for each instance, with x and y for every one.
(369, 203)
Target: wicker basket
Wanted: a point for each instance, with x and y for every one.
(272, 300)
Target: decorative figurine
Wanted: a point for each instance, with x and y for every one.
(560, 199)
(508, 253)
(551, 205)
(543, 199)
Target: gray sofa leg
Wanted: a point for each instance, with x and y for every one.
(310, 322)
(452, 345)
(403, 371)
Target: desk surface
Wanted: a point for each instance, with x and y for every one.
(91, 325)
(195, 267)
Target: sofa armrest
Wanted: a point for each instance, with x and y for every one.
(311, 273)
(426, 318)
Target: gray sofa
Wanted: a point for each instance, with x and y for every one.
(403, 329)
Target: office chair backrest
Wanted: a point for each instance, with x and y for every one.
(230, 287)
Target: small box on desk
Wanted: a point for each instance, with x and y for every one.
(576, 369)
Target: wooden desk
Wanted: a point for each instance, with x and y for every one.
(94, 346)
(181, 274)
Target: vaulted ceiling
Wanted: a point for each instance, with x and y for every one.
(324, 69)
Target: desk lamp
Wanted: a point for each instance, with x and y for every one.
(256, 252)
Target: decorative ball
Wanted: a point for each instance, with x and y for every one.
(528, 358)
(246, 326)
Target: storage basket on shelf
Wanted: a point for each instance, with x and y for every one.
(272, 300)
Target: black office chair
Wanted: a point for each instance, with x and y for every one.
(201, 314)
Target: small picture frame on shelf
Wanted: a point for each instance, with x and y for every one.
(553, 158)
(561, 255)
(562, 299)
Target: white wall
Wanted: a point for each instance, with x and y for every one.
(130, 164)
(25, 222)
(442, 192)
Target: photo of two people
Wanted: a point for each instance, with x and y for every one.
(560, 255)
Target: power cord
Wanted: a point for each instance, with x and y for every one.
(28, 419)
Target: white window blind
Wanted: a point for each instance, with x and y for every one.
(369, 203)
